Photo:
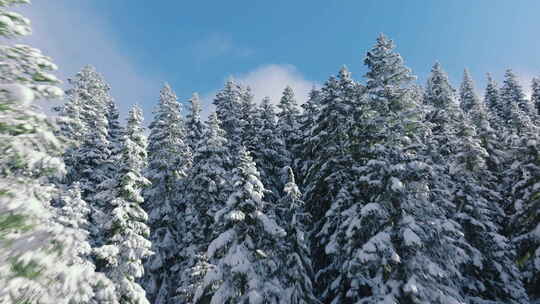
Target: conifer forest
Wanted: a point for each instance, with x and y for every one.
(380, 189)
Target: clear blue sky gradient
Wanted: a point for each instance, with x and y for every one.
(319, 36)
(194, 45)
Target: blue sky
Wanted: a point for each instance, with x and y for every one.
(197, 45)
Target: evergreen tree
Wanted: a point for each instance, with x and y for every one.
(492, 275)
(36, 251)
(194, 125)
(169, 159)
(289, 119)
(493, 102)
(244, 253)
(268, 150)
(510, 93)
(329, 143)
(402, 248)
(297, 268)
(522, 178)
(207, 190)
(126, 230)
(468, 98)
(72, 212)
(230, 104)
(535, 96)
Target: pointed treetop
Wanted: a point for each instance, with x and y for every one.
(439, 92)
(386, 67)
(467, 93)
(196, 108)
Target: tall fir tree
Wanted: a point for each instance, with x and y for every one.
(289, 120)
(296, 256)
(329, 141)
(522, 178)
(493, 274)
(512, 93)
(169, 158)
(92, 157)
(37, 251)
(535, 95)
(268, 150)
(230, 104)
(207, 190)
(467, 96)
(244, 253)
(302, 150)
(194, 124)
(126, 232)
(401, 246)
(493, 102)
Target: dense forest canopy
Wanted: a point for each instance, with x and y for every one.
(379, 190)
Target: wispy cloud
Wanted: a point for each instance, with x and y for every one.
(73, 35)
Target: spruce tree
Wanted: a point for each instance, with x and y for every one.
(535, 95)
(169, 159)
(512, 93)
(493, 274)
(194, 124)
(522, 180)
(230, 103)
(36, 249)
(289, 119)
(329, 143)
(401, 246)
(244, 253)
(467, 95)
(126, 232)
(493, 102)
(296, 256)
(302, 150)
(207, 190)
(268, 150)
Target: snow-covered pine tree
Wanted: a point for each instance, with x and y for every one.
(73, 212)
(169, 159)
(296, 256)
(115, 132)
(493, 275)
(302, 150)
(36, 252)
(230, 103)
(494, 104)
(268, 150)
(194, 124)
(523, 177)
(443, 114)
(329, 141)
(244, 253)
(90, 163)
(289, 120)
(401, 247)
(207, 190)
(497, 154)
(467, 96)
(126, 233)
(511, 92)
(535, 94)
(71, 129)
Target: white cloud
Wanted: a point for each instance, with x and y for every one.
(73, 35)
(268, 80)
